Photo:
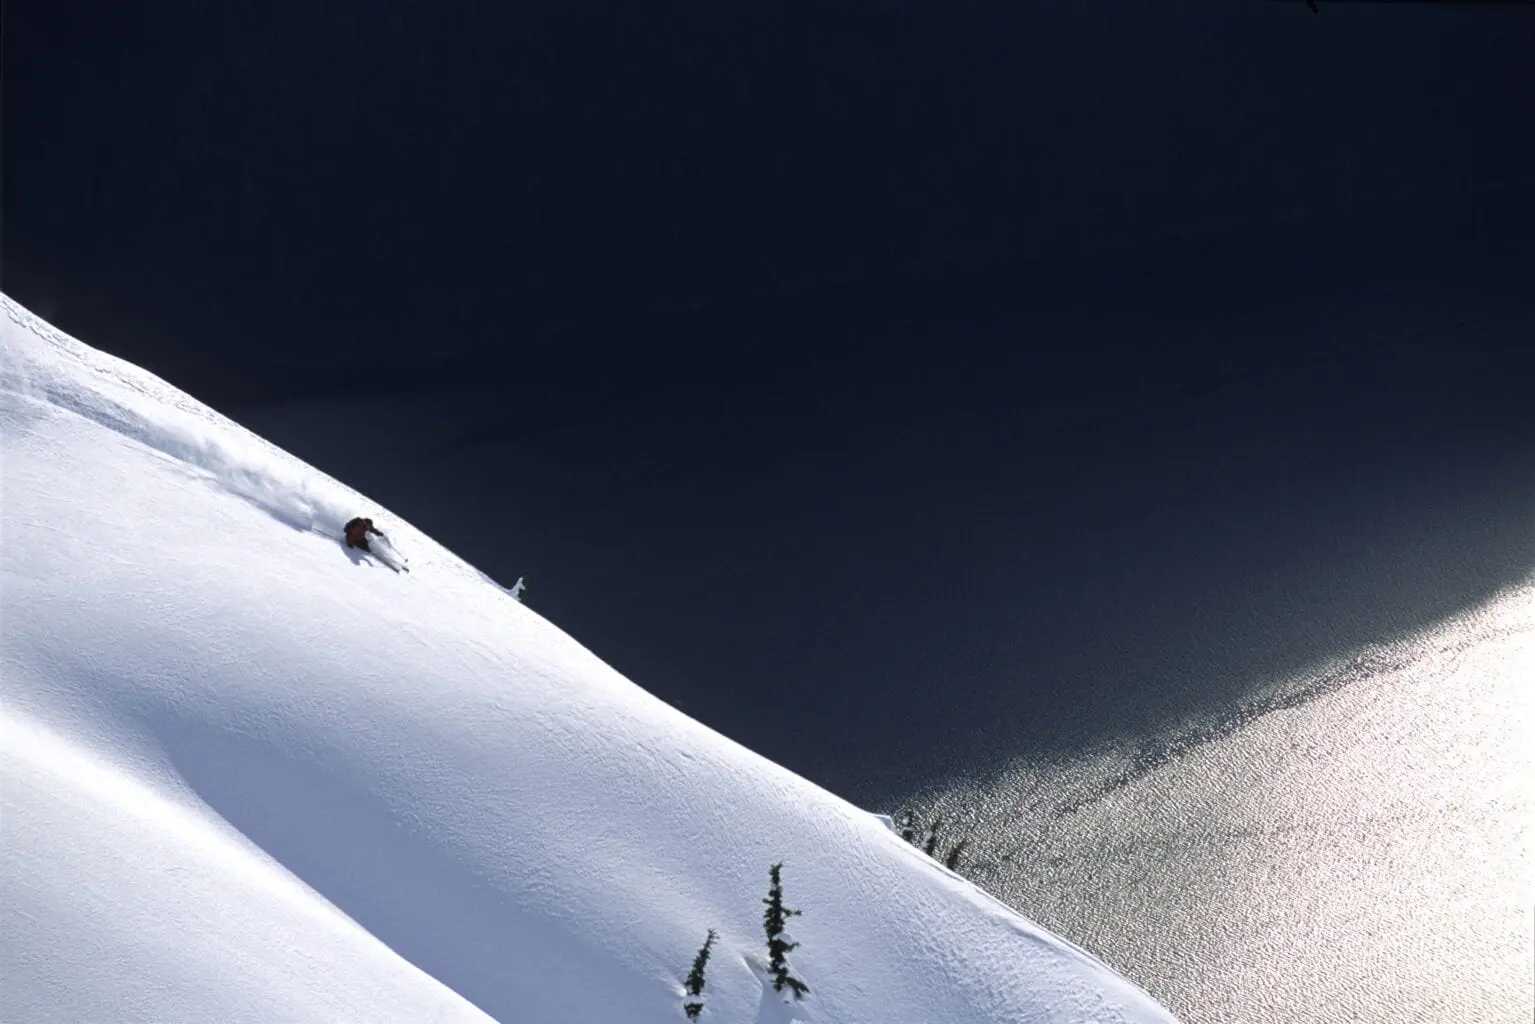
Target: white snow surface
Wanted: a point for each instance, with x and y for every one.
(252, 776)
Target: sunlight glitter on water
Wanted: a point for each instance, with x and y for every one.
(1352, 845)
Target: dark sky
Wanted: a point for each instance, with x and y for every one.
(960, 256)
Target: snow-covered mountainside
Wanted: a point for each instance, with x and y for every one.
(251, 775)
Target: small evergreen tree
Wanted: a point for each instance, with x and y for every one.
(773, 920)
(931, 842)
(695, 983)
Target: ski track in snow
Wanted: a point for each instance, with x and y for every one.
(136, 405)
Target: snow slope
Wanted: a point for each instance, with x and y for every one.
(252, 776)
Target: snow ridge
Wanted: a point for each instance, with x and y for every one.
(247, 777)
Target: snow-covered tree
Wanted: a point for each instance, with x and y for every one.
(779, 944)
(929, 840)
(694, 1004)
(930, 843)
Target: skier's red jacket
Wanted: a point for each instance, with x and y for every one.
(357, 533)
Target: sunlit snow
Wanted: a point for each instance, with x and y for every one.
(250, 775)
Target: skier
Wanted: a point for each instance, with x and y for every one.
(358, 531)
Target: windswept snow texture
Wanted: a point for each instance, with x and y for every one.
(252, 776)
